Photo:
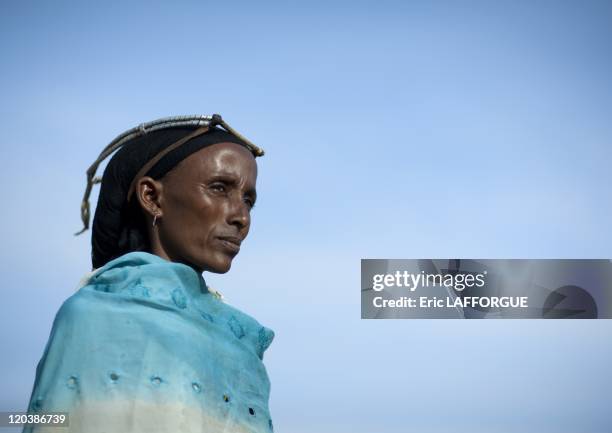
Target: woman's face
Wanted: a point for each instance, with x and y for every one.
(204, 207)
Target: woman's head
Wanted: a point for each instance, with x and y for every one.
(183, 192)
(199, 212)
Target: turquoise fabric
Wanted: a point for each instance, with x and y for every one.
(144, 346)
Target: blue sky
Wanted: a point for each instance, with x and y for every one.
(392, 130)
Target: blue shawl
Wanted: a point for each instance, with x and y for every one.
(144, 346)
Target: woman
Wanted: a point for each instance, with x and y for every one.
(145, 345)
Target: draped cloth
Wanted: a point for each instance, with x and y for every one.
(144, 346)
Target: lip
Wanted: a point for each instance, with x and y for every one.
(231, 243)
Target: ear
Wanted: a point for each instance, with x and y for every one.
(149, 192)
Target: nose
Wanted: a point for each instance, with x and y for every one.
(239, 215)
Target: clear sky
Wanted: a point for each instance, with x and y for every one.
(392, 129)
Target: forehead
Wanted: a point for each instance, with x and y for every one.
(219, 159)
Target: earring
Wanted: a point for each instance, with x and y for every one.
(154, 219)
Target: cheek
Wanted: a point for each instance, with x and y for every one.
(194, 218)
(180, 218)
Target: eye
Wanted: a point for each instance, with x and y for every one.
(218, 187)
(250, 202)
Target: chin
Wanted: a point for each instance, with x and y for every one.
(218, 270)
(218, 267)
